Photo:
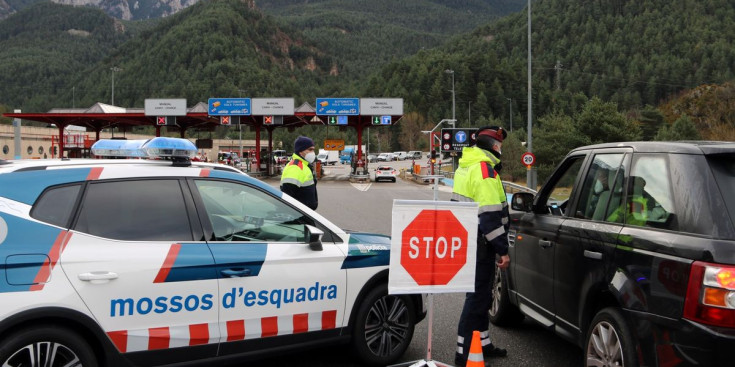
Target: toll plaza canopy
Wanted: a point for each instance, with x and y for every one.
(207, 116)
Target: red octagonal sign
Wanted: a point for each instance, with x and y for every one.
(434, 247)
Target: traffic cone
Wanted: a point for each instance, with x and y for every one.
(475, 358)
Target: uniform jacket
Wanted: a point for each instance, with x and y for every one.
(476, 181)
(298, 181)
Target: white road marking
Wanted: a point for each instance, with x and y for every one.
(361, 186)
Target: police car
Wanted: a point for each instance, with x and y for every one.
(158, 260)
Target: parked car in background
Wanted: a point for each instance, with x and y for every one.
(385, 173)
(385, 157)
(400, 156)
(280, 156)
(628, 251)
(414, 154)
(372, 158)
(228, 158)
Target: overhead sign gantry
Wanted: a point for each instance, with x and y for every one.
(359, 113)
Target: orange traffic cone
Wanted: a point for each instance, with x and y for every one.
(475, 358)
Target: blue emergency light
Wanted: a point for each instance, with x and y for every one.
(160, 147)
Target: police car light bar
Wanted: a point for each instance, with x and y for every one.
(159, 147)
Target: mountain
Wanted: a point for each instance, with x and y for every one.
(120, 9)
(368, 34)
(213, 48)
(46, 45)
(630, 52)
(134, 10)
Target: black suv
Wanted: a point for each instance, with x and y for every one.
(628, 250)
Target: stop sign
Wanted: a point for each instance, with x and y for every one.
(434, 247)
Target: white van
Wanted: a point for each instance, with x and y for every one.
(328, 157)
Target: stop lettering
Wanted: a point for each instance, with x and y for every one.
(434, 247)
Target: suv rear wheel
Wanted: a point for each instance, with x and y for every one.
(46, 346)
(384, 327)
(609, 341)
(502, 312)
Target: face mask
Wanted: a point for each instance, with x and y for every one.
(310, 157)
(598, 187)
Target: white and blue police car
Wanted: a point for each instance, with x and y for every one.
(158, 261)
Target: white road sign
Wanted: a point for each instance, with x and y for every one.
(272, 106)
(165, 107)
(381, 106)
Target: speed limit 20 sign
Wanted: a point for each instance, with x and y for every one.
(528, 159)
(433, 246)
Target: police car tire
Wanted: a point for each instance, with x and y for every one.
(502, 312)
(369, 320)
(69, 345)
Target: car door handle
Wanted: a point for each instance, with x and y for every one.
(593, 254)
(236, 273)
(544, 243)
(97, 277)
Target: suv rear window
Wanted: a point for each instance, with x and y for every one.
(723, 167)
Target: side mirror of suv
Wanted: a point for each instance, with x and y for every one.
(522, 201)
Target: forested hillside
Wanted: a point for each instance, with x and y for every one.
(607, 59)
(46, 45)
(213, 48)
(601, 69)
(368, 34)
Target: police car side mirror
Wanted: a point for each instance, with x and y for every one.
(314, 236)
(522, 201)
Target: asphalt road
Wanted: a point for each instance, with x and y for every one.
(367, 207)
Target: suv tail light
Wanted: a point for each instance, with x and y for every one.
(710, 297)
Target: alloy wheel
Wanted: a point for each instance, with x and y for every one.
(387, 325)
(43, 354)
(604, 348)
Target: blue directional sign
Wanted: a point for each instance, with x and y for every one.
(338, 106)
(229, 107)
(454, 140)
(385, 120)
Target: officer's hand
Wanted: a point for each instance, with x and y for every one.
(504, 262)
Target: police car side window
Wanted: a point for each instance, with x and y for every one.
(56, 205)
(135, 210)
(238, 212)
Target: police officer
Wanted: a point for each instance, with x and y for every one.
(477, 180)
(297, 179)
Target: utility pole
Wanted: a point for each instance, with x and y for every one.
(239, 131)
(454, 121)
(531, 173)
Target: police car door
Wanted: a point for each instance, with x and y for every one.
(275, 289)
(133, 257)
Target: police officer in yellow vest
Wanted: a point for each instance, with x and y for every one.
(477, 180)
(297, 179)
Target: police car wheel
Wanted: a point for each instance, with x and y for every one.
(502, 312)
(46, 346)
(384, 327)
